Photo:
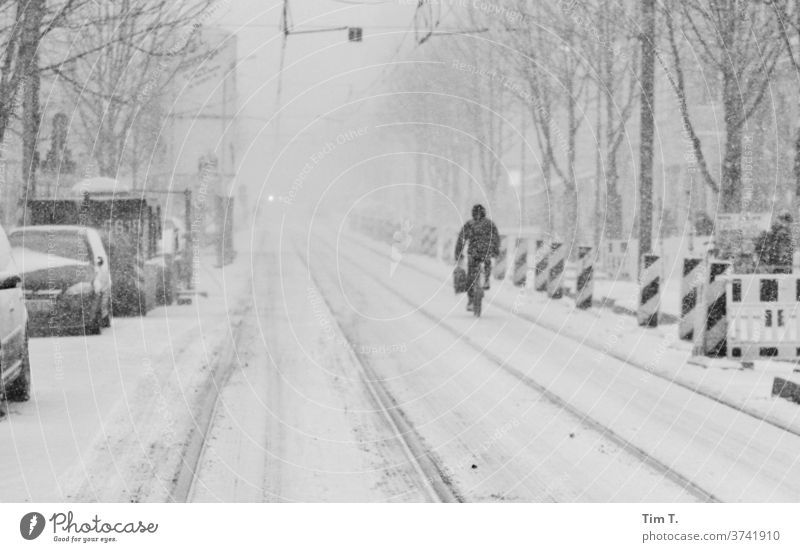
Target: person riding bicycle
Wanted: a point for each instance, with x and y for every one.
(484, 243)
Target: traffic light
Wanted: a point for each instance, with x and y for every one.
(355, 34)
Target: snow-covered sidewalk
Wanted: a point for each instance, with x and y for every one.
(110, 415)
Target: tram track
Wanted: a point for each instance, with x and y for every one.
(550, 396)
(437, 484)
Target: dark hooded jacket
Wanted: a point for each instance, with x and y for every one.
(483, 238)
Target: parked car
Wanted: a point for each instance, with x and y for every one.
(15, 367)
(65, 277)
(129, 225)
(170, 253)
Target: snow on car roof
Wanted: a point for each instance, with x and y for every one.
(101, 185)
(51, 228)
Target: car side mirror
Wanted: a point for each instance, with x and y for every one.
(10, 281)
(100, 261)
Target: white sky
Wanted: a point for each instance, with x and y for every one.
(352, 70)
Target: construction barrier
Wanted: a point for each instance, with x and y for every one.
(786, 389)
(617, 259)
(500, 266)
(691, 284)
(584, 285)
(555, 271)
(520, 266)
(710, 336)
(446, 245)
(426, 240)
(540, 261)
(650, 291)
(762, 312)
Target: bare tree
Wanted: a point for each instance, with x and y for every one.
(23, 25)
(738, 40)
(132, 49)
(611, 50)
(788, 14)
(556, 70)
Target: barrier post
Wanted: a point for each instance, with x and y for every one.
(445, 242)
(650, 294)
(428, 240)
(520, 262)
(499, 269)
(555, 271)
(585, 283)
(711, 339)
(540, 267)
(511, 256)
(690, 290)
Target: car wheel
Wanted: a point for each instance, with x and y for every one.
(106, 321)
(20, 389)
(169, 289)
(92, 327)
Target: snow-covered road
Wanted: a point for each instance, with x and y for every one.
(319, 369)
(494, 409)
(727, 453)
(296, 421)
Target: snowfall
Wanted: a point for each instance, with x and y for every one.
(319, 367)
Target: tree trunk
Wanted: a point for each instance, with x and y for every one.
(613, 221)
(731, 191)
(572, 224)
(796, 205)
(547, 172)
(646, 128)
(29, 62)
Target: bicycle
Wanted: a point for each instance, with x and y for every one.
(479, 290)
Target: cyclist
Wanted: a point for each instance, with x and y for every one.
(484, 243)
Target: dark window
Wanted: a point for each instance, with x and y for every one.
(769, 290)
(736, 291)
(57, 243)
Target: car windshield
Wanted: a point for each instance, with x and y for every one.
(61, 244)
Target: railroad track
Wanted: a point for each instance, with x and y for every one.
(437, 485)
(610, 353)
(548, 395)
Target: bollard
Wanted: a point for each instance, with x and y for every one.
(555, 271)
(650, 294)
(716, 330)
(445, 243)
(690, 290)
(540, 265)
(427, 243)
(712, 325)
(585, 283)
(520, 262)
(500, 267)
